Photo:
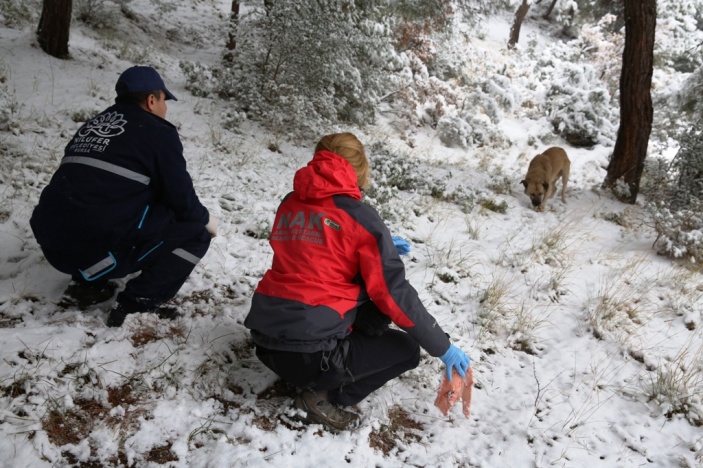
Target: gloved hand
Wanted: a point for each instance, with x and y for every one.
(371, 321)
(455, 358)
(211, 226)
(401, 245)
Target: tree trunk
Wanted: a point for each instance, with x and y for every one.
(627, 161)
(268, 6)
(233, 25)
(54, 27)
(549, 10)
(517, 23)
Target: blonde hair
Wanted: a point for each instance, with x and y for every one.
(350, 148)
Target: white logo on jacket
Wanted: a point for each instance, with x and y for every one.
(95, 135)
(104, 125)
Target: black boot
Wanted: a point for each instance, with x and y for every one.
(83, 294)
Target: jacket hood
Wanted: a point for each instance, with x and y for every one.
(325, 175)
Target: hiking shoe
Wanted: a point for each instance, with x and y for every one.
(123, 308)
(84, 295)
(319, 410)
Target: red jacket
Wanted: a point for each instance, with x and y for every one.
(331, 253)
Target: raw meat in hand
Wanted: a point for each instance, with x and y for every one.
(450, 392)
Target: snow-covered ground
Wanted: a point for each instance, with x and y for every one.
(585, 345)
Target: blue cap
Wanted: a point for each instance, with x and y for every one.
(141, 80)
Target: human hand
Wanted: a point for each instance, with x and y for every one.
(211, 226)
(401, 245)
(457, 359)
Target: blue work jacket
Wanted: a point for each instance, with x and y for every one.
(123, 176)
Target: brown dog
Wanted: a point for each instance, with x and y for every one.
(542, 174)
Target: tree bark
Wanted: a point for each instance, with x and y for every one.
(268, 6)
(517, 23)
(233, 25)
(549, 10)
(54, 27)
(630, 152)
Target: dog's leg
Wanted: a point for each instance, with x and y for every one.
(550, 193)
(564, 181)
(553, 188)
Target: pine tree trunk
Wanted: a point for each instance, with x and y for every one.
(233, 25)
(54, 27)
(550, 9)
(517, 23)
(268, 6)
(630, 152)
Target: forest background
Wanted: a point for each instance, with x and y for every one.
(583, 323)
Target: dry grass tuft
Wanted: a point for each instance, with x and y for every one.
(522, 332)
(73, 425)
(400, 428)
(265, 423)
(556, 245)
(121, 396)
(621, 304)
(460, 257)
(280, 388)
(149, 333)
(558, 285)
(503, 315)
(161, 454)
(73, 461)
(474, 225)
(494, 308)
(65, 427)
(9, 322)
(243, 350)
(13, 390)
(678, 384)
(226, 403)
(687, 297)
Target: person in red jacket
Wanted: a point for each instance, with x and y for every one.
(319, 317)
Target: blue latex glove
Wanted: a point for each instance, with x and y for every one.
(455, 358)
(401, 245)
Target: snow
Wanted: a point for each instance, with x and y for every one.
(570, 318)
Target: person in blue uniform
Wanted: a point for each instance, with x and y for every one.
(121, 202)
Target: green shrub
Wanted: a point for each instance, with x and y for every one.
(17, 13)
(676, 207)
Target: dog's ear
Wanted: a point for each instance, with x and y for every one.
(524, 182)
